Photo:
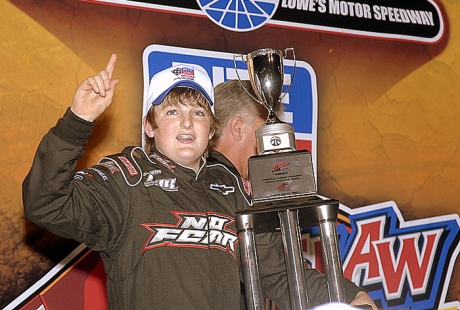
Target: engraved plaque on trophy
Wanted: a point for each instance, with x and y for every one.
(281, 175)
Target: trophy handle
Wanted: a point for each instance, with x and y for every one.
(239, 79)
(295, 66)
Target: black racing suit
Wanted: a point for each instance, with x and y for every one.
(166, 234)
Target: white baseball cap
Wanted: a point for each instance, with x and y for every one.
(182, 75)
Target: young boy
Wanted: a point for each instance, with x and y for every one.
(163, 224)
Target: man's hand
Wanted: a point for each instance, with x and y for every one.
(95, 94)
(362, 298)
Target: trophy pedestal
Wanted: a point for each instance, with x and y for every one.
(288, 216)
(285, 200)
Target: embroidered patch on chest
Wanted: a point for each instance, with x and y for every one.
(224, 189)
(194, 230)
(111, 166)
(166, 163)
(129, 166)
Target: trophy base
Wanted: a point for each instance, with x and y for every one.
(275, 138)
(281, 175)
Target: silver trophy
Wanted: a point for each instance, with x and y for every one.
(266, 74)
(284, 193)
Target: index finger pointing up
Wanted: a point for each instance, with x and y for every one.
(111, 65)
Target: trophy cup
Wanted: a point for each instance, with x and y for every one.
(284, 193)
(266, 74)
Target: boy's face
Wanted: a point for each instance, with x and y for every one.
(182, 133)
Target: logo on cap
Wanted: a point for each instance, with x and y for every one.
(184, 73)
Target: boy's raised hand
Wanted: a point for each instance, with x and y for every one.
(95, 94)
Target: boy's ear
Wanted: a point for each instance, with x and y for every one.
(236, 127)
(211, 134)
(148, 128)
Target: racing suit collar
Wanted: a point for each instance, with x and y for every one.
(218, 157)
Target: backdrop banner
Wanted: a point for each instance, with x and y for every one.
(402, 264)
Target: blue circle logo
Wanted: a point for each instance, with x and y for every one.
(239, 15)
